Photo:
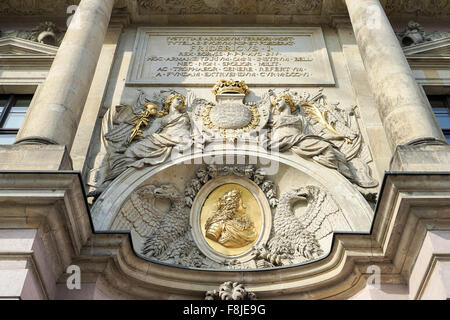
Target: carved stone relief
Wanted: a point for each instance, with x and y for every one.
(297, 239)
(418, 7)
(231, 7)
(415, 34)
(257, 175)
(317, 8)
(230, 117)
(46, 33)
(230, 291)
(175, 234)
(149, 132)
(40, 7)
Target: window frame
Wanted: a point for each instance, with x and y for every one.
(4, 115)
(445, 98)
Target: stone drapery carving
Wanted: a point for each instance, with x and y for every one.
(46, 33)
(415, 34)
(327, 134)
(41, 7)
(230, 291)
(174, 131)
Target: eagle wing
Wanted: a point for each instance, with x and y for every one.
(139, 213)
(323, 215)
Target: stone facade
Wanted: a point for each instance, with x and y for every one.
(166, 159)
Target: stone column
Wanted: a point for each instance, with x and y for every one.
(404, 110)
(55, 113)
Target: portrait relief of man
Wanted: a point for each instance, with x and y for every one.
(229, 225)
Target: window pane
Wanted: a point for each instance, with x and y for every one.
(14, 120)
(19, 110)
(3, 102)
(7, 138)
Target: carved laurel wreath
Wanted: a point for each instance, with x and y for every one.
(207, 173)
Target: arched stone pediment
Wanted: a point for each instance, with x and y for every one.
(132, 197)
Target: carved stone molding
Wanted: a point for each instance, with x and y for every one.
(16, 53)
(429, 8)
(140, 10)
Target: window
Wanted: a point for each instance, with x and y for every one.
(441, 108)
(12, 112)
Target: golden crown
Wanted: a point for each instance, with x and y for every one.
(230, 86)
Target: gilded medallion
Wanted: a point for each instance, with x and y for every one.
(231, 219)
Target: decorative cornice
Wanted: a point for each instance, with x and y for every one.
(189, 11)
(13, 46)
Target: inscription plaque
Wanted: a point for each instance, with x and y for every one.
(200, 56)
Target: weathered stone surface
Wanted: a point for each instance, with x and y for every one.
(56, 111)
(34, 157)
(421, 158)
(404, 111)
